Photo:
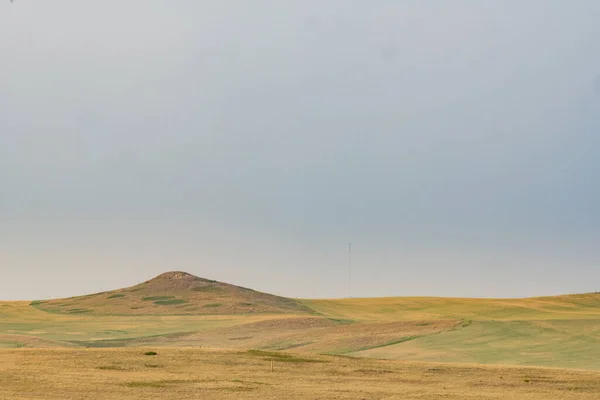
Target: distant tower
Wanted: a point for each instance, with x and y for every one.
(350, 267)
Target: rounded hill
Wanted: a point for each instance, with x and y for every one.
(176, 293)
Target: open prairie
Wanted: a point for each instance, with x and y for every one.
(226, 374)
(180, 310)
(219, 340)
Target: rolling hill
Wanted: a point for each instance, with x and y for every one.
(177, 309)
(175, 293)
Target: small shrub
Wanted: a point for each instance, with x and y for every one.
(150, 353)
(213, 305)
(116, 296)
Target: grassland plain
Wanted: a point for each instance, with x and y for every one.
(179, 310)
(172, 373)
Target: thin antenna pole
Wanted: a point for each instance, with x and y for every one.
(350, 267)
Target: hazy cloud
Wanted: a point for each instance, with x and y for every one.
(456, 144)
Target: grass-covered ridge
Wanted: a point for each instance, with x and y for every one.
(577, 306)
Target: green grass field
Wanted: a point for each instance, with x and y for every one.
(561, 331)
(564, 343)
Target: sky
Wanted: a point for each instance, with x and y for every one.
(455, 144)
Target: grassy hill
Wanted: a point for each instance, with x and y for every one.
(178, 310)
(175, 293)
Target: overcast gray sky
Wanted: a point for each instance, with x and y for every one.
(455, 143)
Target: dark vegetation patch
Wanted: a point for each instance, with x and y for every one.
(150, 353)
(250, 382)
(157, 298)
(294, 346)
(374, 371)
(339, 356)
(281, 357)
(100, 344)
(123, 342)
(79, 311)
(341, 321)
(116, 296)
(141, 384)
(213, 305)
(170, 302)
(111, 368)
(209, 288)
(397, 341)
(158, 384)
(13, 345)
(238, 389)
(438, 370)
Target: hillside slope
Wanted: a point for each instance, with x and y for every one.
(576, 306)
(557, 331)
(175, 293)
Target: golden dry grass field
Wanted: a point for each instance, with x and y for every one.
(69, 374)
(92, 346)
